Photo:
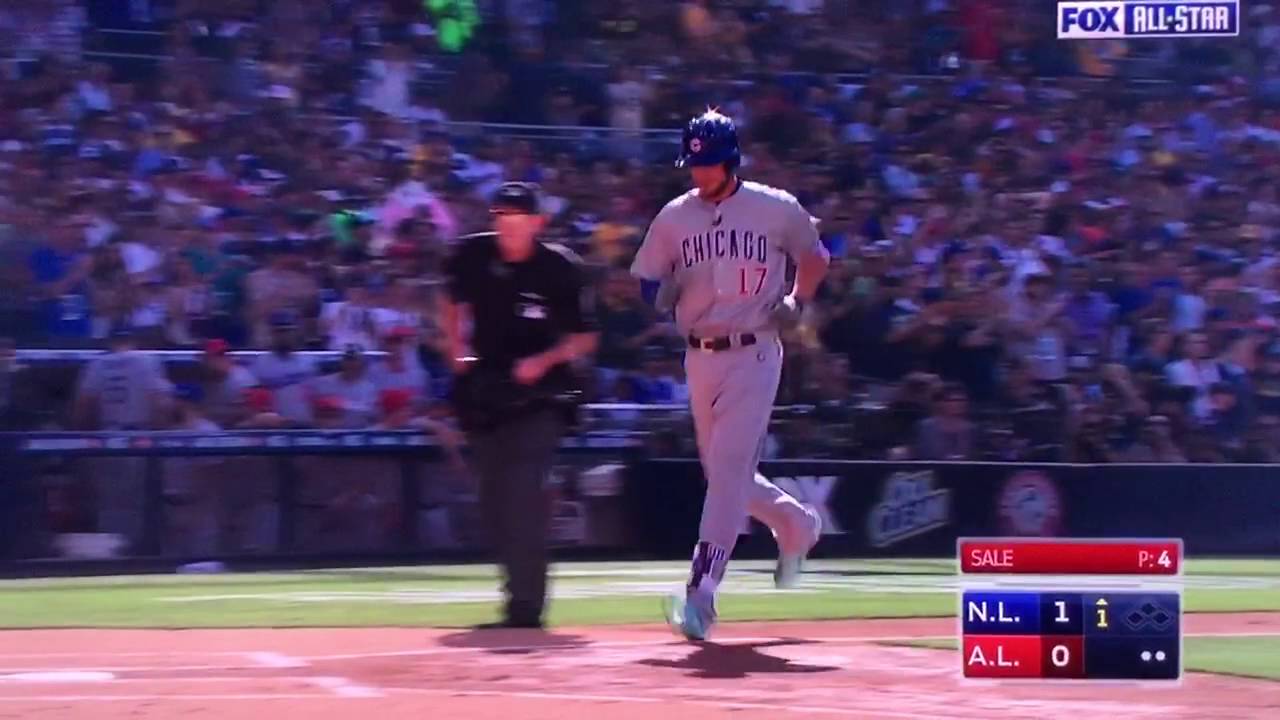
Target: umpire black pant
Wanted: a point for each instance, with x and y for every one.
(514, 462)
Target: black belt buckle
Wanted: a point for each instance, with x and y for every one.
(721, 343)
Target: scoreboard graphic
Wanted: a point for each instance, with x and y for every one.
(1071, 609)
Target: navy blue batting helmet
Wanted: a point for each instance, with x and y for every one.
(709, 139)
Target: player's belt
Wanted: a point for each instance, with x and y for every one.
(716, 344)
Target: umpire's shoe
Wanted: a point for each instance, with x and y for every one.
(692, 615)
(787, 572)
(511, 624)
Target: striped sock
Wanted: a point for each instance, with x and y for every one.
(709, 562)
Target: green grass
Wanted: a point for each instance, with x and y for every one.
(590, 594)
(1255, 657)
(399, 596)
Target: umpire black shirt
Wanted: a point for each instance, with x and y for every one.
(522, 308)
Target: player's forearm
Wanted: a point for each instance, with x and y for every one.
(810, 271)
(572, 347)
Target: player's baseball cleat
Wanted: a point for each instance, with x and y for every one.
(691, 615)
(787, 572)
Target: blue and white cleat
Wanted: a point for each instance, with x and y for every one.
(691, 615)
(787, 572)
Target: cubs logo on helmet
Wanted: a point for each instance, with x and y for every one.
(710, 139)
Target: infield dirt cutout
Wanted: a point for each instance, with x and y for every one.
(752, 671)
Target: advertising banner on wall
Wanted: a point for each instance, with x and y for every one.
(920, 509)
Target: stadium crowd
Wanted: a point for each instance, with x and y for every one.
(1036, 256)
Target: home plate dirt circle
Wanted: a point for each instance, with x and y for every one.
(752, 671)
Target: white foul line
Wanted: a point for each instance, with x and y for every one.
(275, 660)
(807, 709)
(779, 639)
(129, 668)
(342, 687)
(174, 698)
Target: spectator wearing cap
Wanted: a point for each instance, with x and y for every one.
(122, 389)
(327, 412)
(353, 395)
(224, 384)
(260, 409)
(284, 372)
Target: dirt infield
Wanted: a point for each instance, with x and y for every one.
(753, 671)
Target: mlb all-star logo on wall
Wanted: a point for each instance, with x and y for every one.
(812, 490)
(1117, 19)
(909, 506)
(1030, 505)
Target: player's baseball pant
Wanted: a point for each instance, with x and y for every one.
(514, 462)
(732, 394)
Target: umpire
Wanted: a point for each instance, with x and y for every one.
(526, 305)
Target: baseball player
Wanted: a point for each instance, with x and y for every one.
(718, 256)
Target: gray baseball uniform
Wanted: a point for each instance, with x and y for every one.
(725, 265)
(125, 385)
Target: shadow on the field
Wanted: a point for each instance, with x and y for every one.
(506, 641)
(739, 660)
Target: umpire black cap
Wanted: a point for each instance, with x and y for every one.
(516, 198)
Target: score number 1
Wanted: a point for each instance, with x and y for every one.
(1062, 611)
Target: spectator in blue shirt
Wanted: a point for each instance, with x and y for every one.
(60, 267)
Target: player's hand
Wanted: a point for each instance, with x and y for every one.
(786, 313)
(530, 370)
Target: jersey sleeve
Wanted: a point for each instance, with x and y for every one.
(457, 272)
(656, 258)
(800, 231)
